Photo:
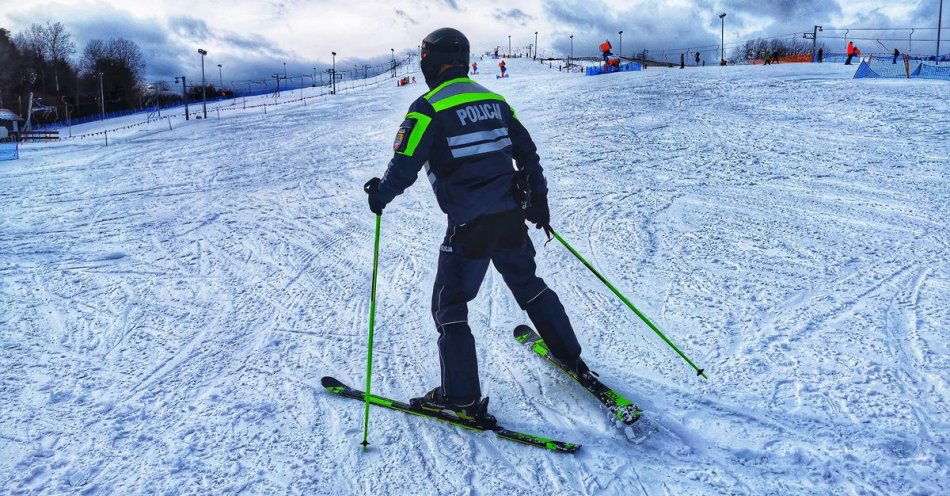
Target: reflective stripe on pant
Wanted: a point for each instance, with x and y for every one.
(457, 283)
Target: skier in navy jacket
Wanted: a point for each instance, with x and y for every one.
(468, 140)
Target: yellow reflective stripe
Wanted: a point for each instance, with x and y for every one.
(443, 85)
(464, 98)
(514, 114)
(422, 122)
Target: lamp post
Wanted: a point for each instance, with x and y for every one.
(572, 50)
(535, 45)
(509, 45)
(393, 52)
(333, 76)
(939, 27)
(184, 95)
(814, 41)
(204, 97)
(69, 122)
(102, 97)
(220, 77)
(285, 70)
(722, 18)
(620, 49)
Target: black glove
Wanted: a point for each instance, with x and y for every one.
(539, 214)
(372, 190)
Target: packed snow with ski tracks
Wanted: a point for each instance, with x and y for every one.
(169, 303)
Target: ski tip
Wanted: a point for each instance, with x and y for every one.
(702, 373)
(329, 382)
(562, 447)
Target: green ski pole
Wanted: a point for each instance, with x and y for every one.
(372, 327)
(651, 325)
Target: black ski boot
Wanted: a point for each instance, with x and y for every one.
(579, 370)
(627, 413)
(476, 411)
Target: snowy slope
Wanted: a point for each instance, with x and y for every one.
(169, 303)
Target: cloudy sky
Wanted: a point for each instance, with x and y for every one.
(252, 38)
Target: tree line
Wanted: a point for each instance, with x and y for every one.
(777, 47)
(43, 60)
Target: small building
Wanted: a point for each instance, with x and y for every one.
(9, 123)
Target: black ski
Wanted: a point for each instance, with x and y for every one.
(337, 387)
(621, 408)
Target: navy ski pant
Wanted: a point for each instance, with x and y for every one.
(468, 249)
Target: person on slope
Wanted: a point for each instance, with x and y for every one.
(474, 67)
(504, 68)
(468, 138)
(697, 59)
(852, 51)
(605, 50)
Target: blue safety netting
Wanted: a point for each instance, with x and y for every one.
(928, 71)
(597, 70)
(9, 151)
(884, 68)
(876, 68)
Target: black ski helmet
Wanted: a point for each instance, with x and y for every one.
(444, 46)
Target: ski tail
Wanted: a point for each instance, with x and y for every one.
(336, 387)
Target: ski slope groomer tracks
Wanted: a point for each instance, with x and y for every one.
(168, 304)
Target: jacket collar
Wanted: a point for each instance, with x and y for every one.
(449, 74)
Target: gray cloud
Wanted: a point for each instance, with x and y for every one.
(782, 9)
(169, 43)
(592, 21)
(253, 43)
(406, 17)
(190, 27)
(517, 15)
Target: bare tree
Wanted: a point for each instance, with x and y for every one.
(92, 54)
(121, 66)
(57, 46)
(30, 41)
(127, 53)
(57, 42)
(777, 47)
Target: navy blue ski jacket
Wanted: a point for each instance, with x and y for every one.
(469, 141)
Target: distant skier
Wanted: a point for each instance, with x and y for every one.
(852, 51)
(466, 137)
(821, 55)
(474, 67)
(605, 50)
(897, 53)
(697, 59)
(504, 69)
(682, 61)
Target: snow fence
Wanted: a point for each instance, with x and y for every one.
(883, 68)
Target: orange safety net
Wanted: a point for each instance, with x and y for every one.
(788, 59)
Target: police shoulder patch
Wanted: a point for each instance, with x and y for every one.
(400, 143)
